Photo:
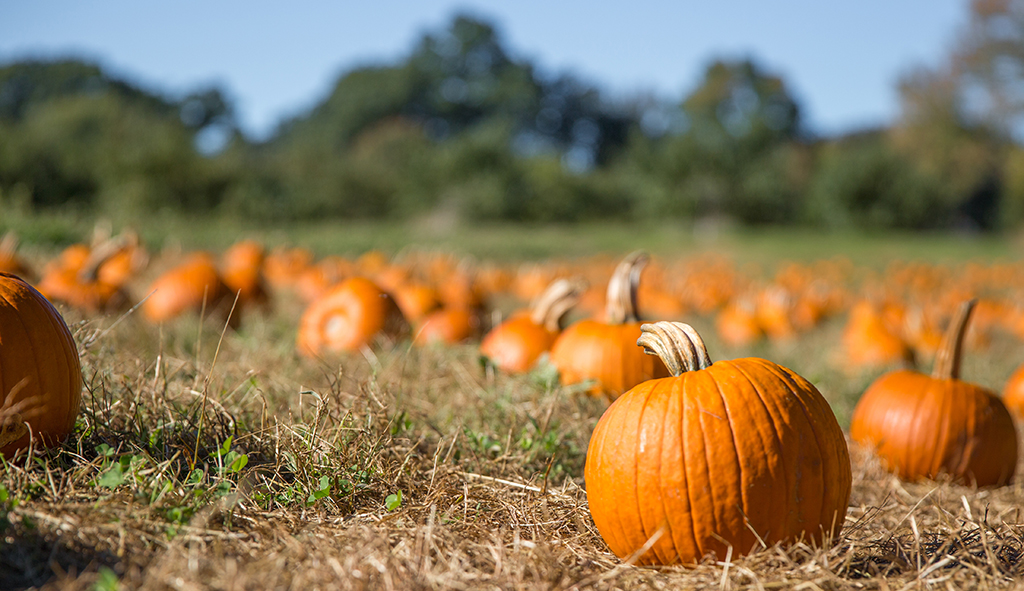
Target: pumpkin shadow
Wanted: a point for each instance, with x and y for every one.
(31, 558)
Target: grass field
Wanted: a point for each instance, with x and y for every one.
(213, 459)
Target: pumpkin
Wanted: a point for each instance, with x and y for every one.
(922, 426)
(870, 340)
(731, 453)
(283, 266)
(604, 350)
(1013, 392)
(416, 300)
(74, 278)
(195, 284)
(241, 267)
(347, 318)
(737, 323)
(448, 326)
(516, 344)
(40, 375)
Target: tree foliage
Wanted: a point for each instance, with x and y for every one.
(462, 126)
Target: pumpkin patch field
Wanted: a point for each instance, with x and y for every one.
(472, 410)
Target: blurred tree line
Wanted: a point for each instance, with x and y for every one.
(462, 128)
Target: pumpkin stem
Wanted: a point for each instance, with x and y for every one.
(678, 345)
(556, 301)
(620, 306)
(947, 360)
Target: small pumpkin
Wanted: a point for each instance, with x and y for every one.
(1013, 392)
(604, 350)
(241, 267)
(516, 344)
(447, 325)
(731, 453)
(922, 426)
(347, 318)
(74, 278)
(40, 375)
(195, 284)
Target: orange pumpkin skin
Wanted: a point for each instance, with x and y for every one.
(448, 326)
(710, 457)
(40, 375)
(516, 344)
(1013, 392)
(416, 300)
(922, 427)
(242, 270)
(187, 287)
(605, 353)
(347, 318)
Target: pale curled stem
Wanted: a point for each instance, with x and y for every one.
(677, 344)
(622, 289)
(556, 301)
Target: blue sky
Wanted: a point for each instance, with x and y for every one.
(841, 59)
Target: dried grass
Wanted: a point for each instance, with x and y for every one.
(489, 467)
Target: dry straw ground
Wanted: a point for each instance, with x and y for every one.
(203, 463)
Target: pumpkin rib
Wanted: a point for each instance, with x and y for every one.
(651, 522)
(775, 437)
(635, 459)
(670, 399)
(688, 465)
(781, 422)
(618, 525)
(795, 387)
(736, 466)
(740, 463)
(68, 420)
(31, 348)
(712, 457)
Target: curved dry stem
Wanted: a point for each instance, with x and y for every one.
(620, 306)
(947, 359)
(678, 345)
(556, 301)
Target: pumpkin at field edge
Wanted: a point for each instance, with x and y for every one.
(347, 318)
(241, 268)
(1013, 392)
(732, 453)
(195, 284)
(922, 426)
(40, 374)
(516, 344)
(448, 326)
(605, 350)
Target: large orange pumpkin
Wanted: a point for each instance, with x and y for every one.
(516, 344)
(732, 453)
(923, 426)
(605, 351)
(40, 376)
(347, 318)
